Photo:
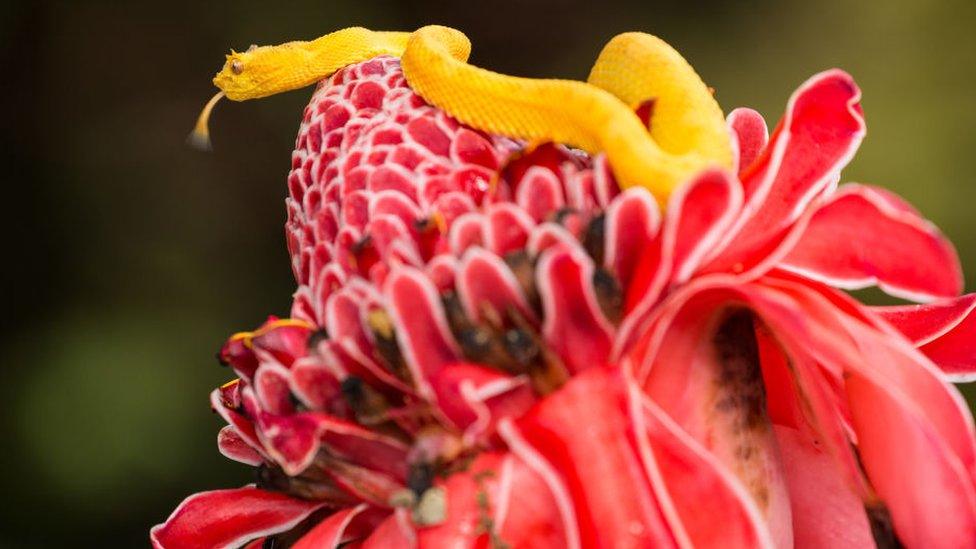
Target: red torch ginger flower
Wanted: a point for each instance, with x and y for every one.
(492, 345)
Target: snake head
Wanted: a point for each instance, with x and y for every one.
(263, 70)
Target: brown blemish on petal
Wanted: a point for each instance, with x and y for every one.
(739, 409)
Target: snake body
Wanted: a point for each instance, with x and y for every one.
(688, 132)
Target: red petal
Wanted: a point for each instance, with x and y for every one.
(818, 135)
(317, 385)
(713, 509)
(525, 511)
(328, 534)
(241, 424)
(945, 331)
(462, 525)
(294, 440)
(697, 217)
(396, 531)
(927, 489)
(475, 398)
(584, 431)
(229, 518)
(712, 389)
(232, 446)
(508, 228)
(865, 235)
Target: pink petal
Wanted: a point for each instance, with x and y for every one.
(575, 326)
(508, 228)
(484, 280)
(751, 135)
(421, 325)
(864, 235)
(632, 223)
(229, 518)
(826, 512)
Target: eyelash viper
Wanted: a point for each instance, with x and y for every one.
(687, 134)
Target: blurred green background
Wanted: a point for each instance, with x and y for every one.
(134, 256)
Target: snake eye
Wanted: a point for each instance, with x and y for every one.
(236, 67)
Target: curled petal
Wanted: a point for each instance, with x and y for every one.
(864, 235)
(702, 211)
(272, 386)
(508, 228)
(229, 518)
(243, 426)
(282, 340)
(316, 384)
(294, 440)
(539, 193)
(751, 135)
(232, 446)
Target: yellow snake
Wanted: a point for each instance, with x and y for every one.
(688, 131)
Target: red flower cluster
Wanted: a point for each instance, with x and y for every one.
(492, 346)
